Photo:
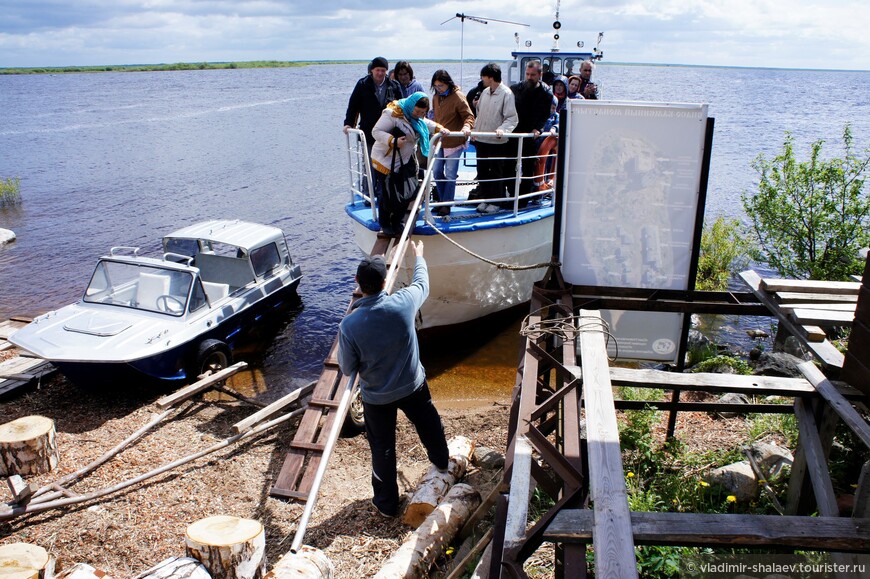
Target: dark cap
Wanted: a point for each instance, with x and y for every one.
(379, 62)
(371, 273)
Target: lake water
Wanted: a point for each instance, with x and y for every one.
(123, 158)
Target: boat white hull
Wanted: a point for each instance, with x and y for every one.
(464, 288)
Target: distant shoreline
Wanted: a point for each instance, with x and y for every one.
(188, 66)
(298, 63)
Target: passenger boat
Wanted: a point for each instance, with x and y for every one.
(479, 263)
(169, 318)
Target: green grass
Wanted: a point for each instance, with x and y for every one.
(10, 191)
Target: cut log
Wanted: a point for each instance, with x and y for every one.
(83, 571)
(23, 561)
(176, 568)
(229, 547)
(28, 446)
(435, 484)
(308, 562)
(414, 557)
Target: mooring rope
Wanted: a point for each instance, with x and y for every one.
(497, 264)
(567, 327)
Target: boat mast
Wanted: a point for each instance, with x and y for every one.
(479, 19)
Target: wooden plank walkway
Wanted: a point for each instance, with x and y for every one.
(21, 368)
(306, 449)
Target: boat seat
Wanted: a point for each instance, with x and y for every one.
(150, 287)
(215, 291)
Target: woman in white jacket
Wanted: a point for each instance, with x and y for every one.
(403, 124)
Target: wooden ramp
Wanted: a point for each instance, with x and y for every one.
(20, 369)
(306, 450)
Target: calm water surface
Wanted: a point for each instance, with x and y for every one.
(123, 158)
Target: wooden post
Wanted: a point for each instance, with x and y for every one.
(28, 446)
(25, 561)
(229, 547)
(435, 484)
(414, 557)
(308, 562)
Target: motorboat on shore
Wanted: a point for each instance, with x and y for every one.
(170, 318)
(479, 263)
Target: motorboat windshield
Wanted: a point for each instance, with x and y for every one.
(139, 286)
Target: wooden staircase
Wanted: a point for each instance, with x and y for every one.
(306, 450)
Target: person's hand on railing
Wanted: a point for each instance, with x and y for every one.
(418, 248)
(346, 128)
(466, 131)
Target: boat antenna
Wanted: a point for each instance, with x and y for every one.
(479, 19)
(556, 26)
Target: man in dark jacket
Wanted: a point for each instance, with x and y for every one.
(369, 97)
(533, 100)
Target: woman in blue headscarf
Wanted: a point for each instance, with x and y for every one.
(402, 125)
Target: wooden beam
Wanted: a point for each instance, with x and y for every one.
(824, 351)
(795, 297)
(696, 529)
(274, 407)
(822, 318)
(612, 537)
(199, 386)
(817, 464)
(821, 307)
(841, 406)
(811, 286)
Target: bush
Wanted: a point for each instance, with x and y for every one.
(10, 191)
(810, 218)
(723, 250)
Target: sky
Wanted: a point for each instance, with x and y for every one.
(827, 34)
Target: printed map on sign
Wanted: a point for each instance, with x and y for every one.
(630, 206)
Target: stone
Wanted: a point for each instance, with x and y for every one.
(6, 236)
(736, 479)
(732, 398)
(771, 457)
(778, 364)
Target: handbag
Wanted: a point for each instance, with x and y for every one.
(401, 184)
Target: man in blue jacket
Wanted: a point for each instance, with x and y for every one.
(378, 340)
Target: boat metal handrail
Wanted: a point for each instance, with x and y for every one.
(114, 251)
(361, 179)
(185, 259)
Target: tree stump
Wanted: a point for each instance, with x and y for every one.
(414, 557)
(28, 446)
(25, 561)
(83, 571)
(229, 547)
(176, 568)
(308, 563)
(435, 484)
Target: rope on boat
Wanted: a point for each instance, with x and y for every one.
(497, 264)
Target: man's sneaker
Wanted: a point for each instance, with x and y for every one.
(487, 208)
(382, 513)
(444, 470)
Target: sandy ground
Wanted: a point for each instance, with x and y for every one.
(128, 532)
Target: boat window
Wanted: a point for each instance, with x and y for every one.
(180, 246)
(555, 64)
(138, 286)
(572, 66)
(197, 296)
(265, 259)
(526, 61)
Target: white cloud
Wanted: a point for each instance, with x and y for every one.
(740, 32)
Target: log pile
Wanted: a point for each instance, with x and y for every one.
(414, 557)
(28, 445)
(435, 484)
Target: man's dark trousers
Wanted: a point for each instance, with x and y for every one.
(380, 421)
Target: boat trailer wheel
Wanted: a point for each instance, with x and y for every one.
(355, 421)
(212, 357)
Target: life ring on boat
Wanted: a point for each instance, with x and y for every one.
(547, 148)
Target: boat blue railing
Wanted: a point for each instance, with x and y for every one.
(361, 179)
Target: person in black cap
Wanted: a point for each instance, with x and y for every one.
(369, 97)
(378, 340)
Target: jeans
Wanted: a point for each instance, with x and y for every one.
(446, 169)
(380, 421)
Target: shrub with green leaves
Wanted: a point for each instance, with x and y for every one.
(811, 217)
(724, 249)
(10, 191)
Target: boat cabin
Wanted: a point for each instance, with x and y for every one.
(558, 62)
